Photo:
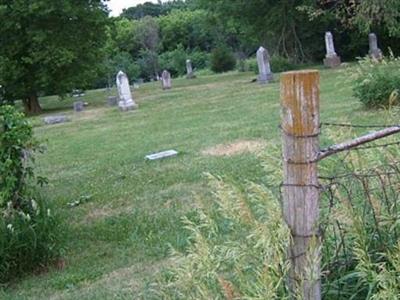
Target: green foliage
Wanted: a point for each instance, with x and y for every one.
(148, 64)
(153, 9)
(174, 61)
(222, 59)
(200, 60)
(28, 230)
(16, 152)
(50, 46)
(30, 239)
(360, 216)
(377, 83)
(189, 28)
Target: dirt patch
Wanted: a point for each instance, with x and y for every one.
(236, 148)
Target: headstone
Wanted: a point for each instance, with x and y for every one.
(124, 92)
(162, 155)
(112, 100)
(79, 106)
(77, 93)
(264, 67)
(332, 60)
(50, 120)
(189, 70)
(374, 51)
(166, 80)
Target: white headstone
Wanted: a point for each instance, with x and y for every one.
(374, 51)
(166, 80)
(124, 92)
(332, 60)
(264, 67)
(330, 47)
(189, 69)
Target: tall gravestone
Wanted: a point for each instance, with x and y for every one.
(264, 67)
(166, 80)
(374, 51)
(124, 92)
(189, 70)
(332, 60)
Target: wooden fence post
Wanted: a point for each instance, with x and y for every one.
(300, 130)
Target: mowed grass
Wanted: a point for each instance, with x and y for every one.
(120, 238)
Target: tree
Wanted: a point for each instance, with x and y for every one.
(147, 31)
(275, 24)
(49, 47)
(365, 15)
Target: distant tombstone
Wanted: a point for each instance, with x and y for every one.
(166, 80)
(124, 92)
(332, 60)
(189, 70)
(55, 120)
(374, 51)
(112, 101)
(264, 67)
(79, 106)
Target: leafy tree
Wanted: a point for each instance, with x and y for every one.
(147, 31)
(155, 9)
(187, 28)
(365, 15)
(49, 47)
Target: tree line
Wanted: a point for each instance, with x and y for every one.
(52, 48)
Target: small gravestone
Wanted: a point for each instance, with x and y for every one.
(166, 80)
(189, 70)
(124, 92)
(79, 106)
(332, 60)
(78, 93)
(161, 155)
(112, 101)
(264, 67)
(374, 51)
(50, 120)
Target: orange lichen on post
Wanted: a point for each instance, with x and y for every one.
(300, 131)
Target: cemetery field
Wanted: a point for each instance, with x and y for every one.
(128, 210)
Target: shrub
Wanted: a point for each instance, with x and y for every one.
(222, 60)
(28, 229)
(200, 60)
(174, 61)
(377, 83)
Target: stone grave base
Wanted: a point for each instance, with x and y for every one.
(332, 62)
(127, 105)
(264, 79)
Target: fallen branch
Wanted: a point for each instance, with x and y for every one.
(324, 153)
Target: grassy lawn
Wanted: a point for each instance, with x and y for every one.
(120, 238)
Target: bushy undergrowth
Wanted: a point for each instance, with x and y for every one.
(238, 245)
(28, 228)
(377, 83)
(222, 60)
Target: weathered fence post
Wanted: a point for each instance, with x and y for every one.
(300, 130)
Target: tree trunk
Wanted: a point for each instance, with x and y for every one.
(32, 105)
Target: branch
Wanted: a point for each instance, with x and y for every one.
(324, 153)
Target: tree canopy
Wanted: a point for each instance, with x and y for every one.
(49, 47)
